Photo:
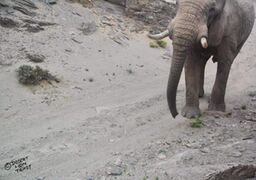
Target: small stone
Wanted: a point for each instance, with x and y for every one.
(68, 50)
(217, 116)
(72, 33)
(52, 1)
(118, 161)
(188, 145)
(243, 107)
(40, 178)
(88, 28)
(236, 154)
(247, 117)
(33, 28)
(205, 150)
(236, 108)
(114, 170)
(111, 140)
(161, 156)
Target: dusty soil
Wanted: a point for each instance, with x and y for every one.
(108, 117)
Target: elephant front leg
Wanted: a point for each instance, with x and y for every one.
(217, 100)
(192, 76)
(201, 78)
(225, 57)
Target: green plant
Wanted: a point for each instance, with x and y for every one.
(29, 75)
(145, 178)
(153, 44)
(161, 43)
(196, 122)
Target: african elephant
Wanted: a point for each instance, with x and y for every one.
(200, 30)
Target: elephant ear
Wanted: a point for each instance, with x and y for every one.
(216, 26)
(215, 9)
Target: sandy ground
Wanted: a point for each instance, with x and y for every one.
(108, 117)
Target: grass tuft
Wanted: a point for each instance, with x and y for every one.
(196, 122)
(29, 75)
(153, 44)
(161, 43)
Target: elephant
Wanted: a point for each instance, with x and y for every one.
(203, 30)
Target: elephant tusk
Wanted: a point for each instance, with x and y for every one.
(160, 35)
(204, 42)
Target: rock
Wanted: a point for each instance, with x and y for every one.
(88, 28)
(235, 154)
(240, 172)
(118, 2)
(68, 50)
(161, 156)
(85, 3)
(51, 1)
(118, 162)
(8, 23)
(111, 140)
(33, 28)
(114, 170)
(247, 117)
(23, 6)
(40, 178)
(36, 58)
(205, 150)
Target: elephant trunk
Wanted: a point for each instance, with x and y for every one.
(178, 60)
(184, 35)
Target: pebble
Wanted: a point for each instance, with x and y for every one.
(114, 170)
(111, 140)
(161, 156)
(247, 117)
(40, 178)
(236, 154)
(216, 116)
(37, 58)
(118, 161)
(205, 150)
(88, 28)
(68, 50)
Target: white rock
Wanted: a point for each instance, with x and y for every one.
(161, 156)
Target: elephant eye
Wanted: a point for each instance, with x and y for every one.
(211, 15)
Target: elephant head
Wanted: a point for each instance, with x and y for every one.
(188, 29)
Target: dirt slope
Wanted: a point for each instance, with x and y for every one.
(108, 117)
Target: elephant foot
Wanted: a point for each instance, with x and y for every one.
(217, 107)
(201, 93)
(190, 112)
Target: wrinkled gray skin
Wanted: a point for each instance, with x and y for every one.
(226, 24)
